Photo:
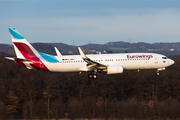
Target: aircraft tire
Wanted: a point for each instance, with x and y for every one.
(94, 76)
(90, 76)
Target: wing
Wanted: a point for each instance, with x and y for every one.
(91, 65)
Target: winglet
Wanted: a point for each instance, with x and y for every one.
(82, 53)
(57, 52)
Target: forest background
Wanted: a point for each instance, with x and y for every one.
(35, 94)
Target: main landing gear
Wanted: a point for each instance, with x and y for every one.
(92, 75)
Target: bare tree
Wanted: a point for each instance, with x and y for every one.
(89, 104)
(13, 102)
(58, 109)
(40, 110)
(74, 108)
(50, 91)
(3, 111)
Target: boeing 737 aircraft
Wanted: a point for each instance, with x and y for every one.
(27, 56)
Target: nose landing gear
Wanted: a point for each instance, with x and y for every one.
(160, 69)
(157, 73)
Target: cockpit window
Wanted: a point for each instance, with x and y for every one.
(164, 57)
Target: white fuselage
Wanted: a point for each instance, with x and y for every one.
(28, 57)
(129, 61)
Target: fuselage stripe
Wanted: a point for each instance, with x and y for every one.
(29, 55)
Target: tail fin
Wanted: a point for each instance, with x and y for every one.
(23, 49)
(26, 54)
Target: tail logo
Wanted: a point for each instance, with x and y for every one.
(25, 51)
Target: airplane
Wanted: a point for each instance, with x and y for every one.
(30, 58)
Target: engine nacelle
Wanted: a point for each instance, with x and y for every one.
(114, 69)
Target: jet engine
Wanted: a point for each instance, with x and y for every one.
(114, 69)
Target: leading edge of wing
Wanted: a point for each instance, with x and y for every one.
(90, 63)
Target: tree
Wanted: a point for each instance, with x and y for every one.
(74, 108)
(50, 91)
(13, 102)
(89, 104)
(3, 111)
(40, 110)
(58, 109)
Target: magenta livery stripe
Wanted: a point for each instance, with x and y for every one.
(29, 55)
(19, 62)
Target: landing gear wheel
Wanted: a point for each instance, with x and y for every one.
(90, 76)
(94, 76)
(157, 74)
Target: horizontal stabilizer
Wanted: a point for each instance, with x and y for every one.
(9, 58)
(14, 59)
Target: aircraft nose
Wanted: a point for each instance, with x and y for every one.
(171, 62)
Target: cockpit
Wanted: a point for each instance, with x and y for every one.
(164, 58)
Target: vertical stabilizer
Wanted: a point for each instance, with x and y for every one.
(25, 52)
(22, 47)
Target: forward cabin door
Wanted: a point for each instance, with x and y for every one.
(156, 59)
